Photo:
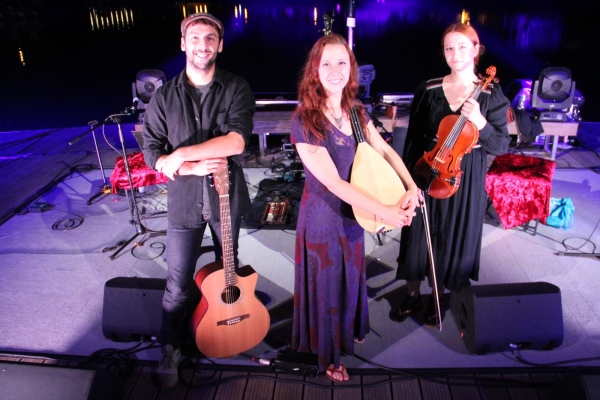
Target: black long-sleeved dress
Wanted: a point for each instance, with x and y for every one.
(456, 223)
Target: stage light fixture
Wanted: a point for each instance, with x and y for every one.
(552, 93)
(366, 76)
(146, 83)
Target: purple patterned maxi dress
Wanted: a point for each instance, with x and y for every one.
(330, 290)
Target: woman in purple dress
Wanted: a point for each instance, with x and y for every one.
(330, 296)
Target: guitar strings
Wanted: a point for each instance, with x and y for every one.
(226, 245)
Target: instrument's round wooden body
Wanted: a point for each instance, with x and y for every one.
(375, 177)
(440, 167)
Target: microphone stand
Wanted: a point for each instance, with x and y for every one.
(105, 187)
(385, 134)
(140, 229)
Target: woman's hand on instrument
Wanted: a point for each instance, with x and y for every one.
(470, 109)
(408, 202)
(411, 199)
(396, 216)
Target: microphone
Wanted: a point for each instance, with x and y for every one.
(133, 108)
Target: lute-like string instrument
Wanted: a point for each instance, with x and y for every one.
(375, 177)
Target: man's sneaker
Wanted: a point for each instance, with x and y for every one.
(166, 373)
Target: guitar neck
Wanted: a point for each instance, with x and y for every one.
(227, 241)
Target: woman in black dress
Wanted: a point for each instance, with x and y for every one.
(456, 223)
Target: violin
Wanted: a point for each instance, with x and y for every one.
(456, 135)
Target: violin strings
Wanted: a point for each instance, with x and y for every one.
(456, 130)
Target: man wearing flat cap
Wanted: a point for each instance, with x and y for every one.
(198, 122)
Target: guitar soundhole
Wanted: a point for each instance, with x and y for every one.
(230, 295)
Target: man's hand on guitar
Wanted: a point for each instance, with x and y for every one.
(206, 167)
(169, 165)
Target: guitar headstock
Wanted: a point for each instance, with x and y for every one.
(221, 180)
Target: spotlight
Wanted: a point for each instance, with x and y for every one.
(146, 83)
(366, 76)
(552, 93)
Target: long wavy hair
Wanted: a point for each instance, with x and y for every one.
(312, 95)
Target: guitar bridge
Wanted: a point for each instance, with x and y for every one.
(234, 320)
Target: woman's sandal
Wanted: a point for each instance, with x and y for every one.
(337, 375)
(358, 341)
(409, 305)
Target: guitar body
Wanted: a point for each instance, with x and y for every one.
(375, 177)
(229, 319)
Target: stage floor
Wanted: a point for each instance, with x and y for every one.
(54, 271)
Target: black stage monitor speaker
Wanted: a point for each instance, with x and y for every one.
(493, 317)
(44, 382)
(132, 308)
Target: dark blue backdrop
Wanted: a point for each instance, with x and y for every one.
(67, 62)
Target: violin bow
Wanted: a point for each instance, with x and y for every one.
(436, 295)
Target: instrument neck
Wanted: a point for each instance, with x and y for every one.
(356, 127)
(227, 241)
(462, 120)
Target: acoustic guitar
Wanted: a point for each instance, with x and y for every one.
(375, 177)
(229, 318)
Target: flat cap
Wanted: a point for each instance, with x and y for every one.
(206, 17)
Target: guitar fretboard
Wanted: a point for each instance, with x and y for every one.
(227, 242)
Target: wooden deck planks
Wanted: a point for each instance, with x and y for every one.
(465, 388)
(288, 391)
(379, 392)
(489, 389)
(259, 389)
(233, 389)
(243, 385)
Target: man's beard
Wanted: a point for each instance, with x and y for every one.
(204, 66)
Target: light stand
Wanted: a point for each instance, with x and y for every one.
(351, 23)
